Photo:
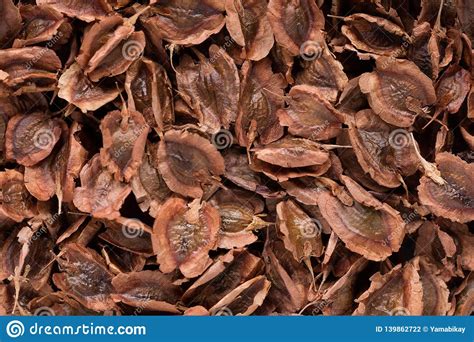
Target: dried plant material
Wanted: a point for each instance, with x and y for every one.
(296, 24)
(81, 9)
(398, 91)
(187, 162)
(465, 299)
(43, 24)
(29, 69)
(249, 26)
(239, 211)
(85, 277)
(374, 34)
(149, 92)
(302, 234)
(129, 234)
(383, 151)
(149, 290)
(399, 292)
(309, 115)
(210, 88)
(31, 138)
(368, 227)
(109, 48)
(11, 21)
(325, 74)
(244, 299)
(77, 89)
(454, 199)
(16, 202)
(228, 272)
(183, 234)
(124, 136)
(292, 152)
(187, 22)
(59, 304)
(453, 88)
(100, 194)
(435, 291)
(425, 50)
(261, 95)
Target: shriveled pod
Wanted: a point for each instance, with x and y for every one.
(396, 293)
(28, 69)
(297, 25)
(210, 87)
(249, 26)
(11, 21)
(109, 47)
(16, 202)
(124, 135)
(84, 10)
(148, 290)
(43, 24)
(374, 34)
(228, 271)
(244, 299)
(398, 91)
(85, 277)
(149, 92)
(100, 194)
(187, 22)
(310, 116)
(77, 89)
(454, 198)
(239, 211)
(183, 235)
(368, 226)
(187, 162)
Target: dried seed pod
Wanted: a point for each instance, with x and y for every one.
(81, 9)
(43, 24)
(183, 235)
(29, 69)
(11, 21)
(244, 299)
(297, 25)
(435, 291)
(292, 152)
(186, 22)
(368, 227)
(228, 272)
(396, 293)
(210, 88)
(76, 88)
(309, 115)
(398, 91)
(85, 277)
(374, 34)
(148, 290)
(58, 304)
(16, 202)
(100, 194)
(149, 92)
(302, 234)
(124, 136)
(424, 50)
(260, 96)
(249, 26)
(187, 162)
(455, 198)
(383, 151)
